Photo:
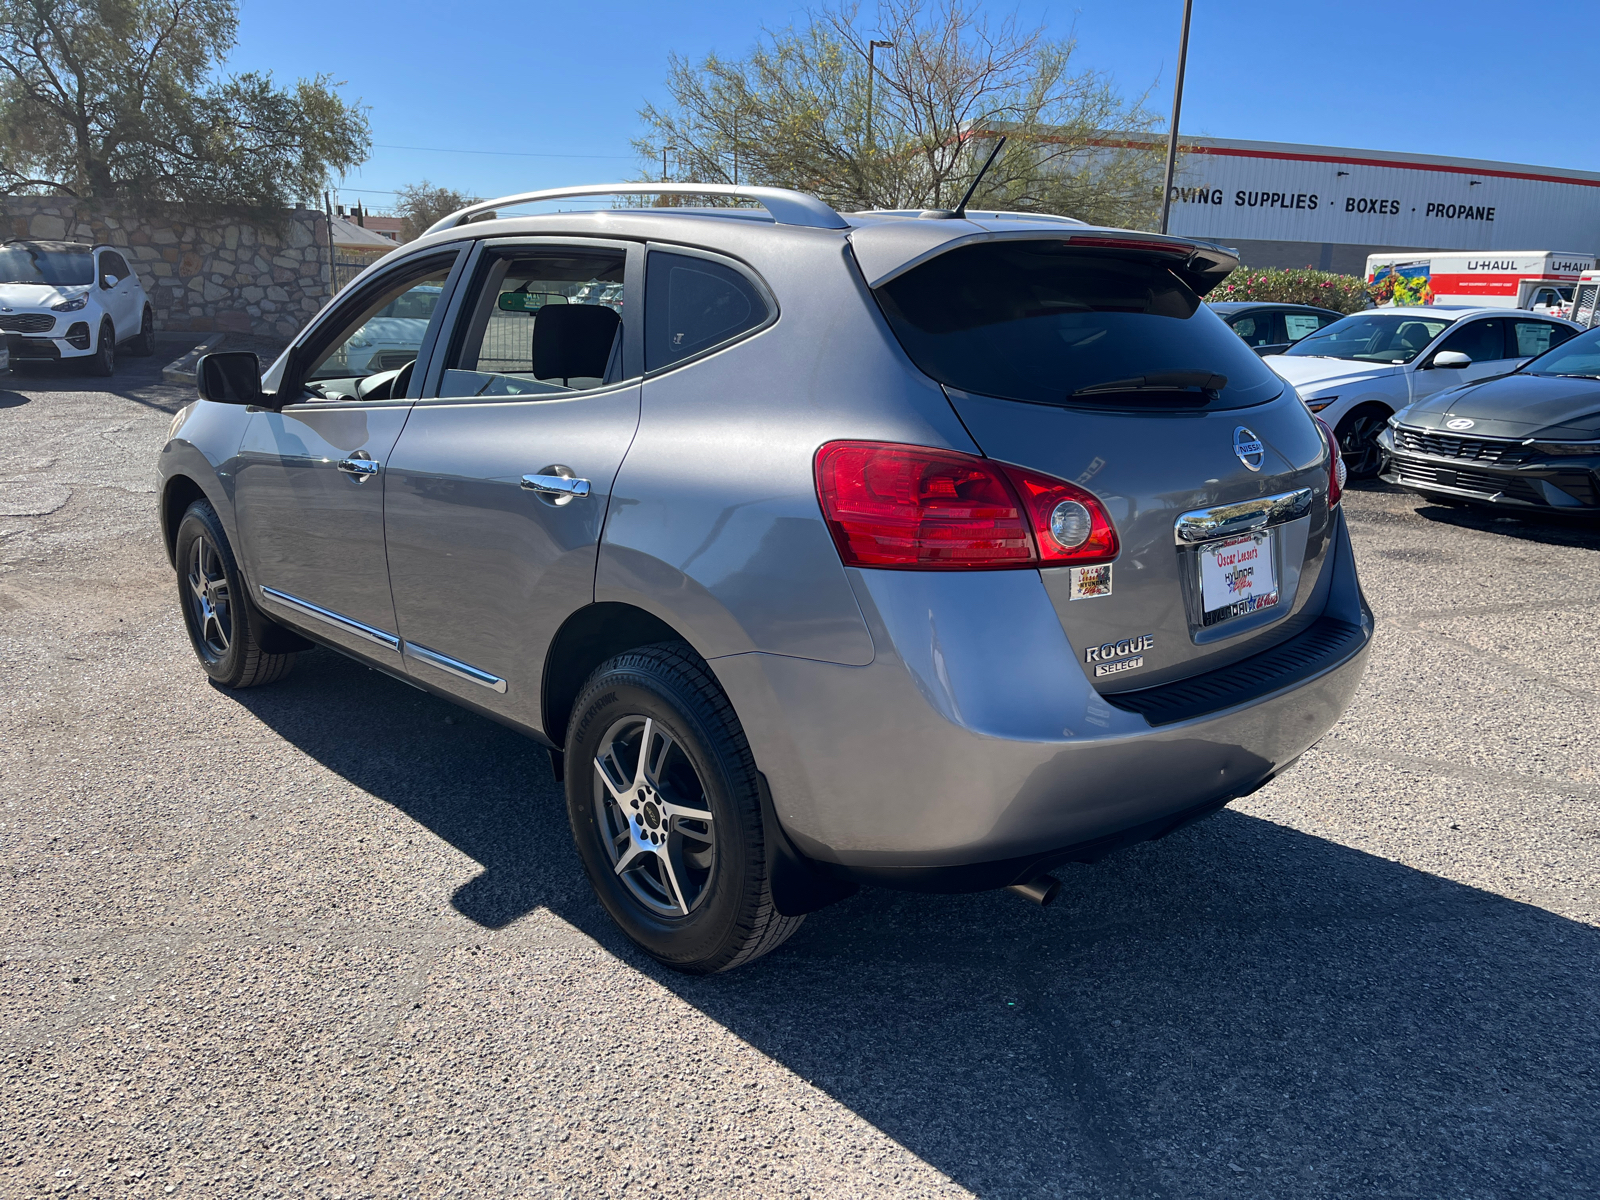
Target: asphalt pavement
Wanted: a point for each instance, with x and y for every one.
(329, 938)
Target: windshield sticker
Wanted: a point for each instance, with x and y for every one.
(1089, 582)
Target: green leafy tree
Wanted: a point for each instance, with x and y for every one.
(794, 112)
(119, 99)
(419, 205)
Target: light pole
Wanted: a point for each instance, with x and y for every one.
(1177, 105)
(872, 48)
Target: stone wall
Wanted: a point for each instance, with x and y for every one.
(202, 274)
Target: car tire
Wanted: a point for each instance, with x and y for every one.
(224, 628)
(1357, 436)
(143, 344)
(653, 741)
(103, 362)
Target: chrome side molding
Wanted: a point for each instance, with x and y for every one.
(454, 666)
(1229, 520)
(338, 620)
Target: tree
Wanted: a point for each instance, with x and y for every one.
(794, 113)
(421, 204)
(118, 99)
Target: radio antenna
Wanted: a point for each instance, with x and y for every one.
(961, 209)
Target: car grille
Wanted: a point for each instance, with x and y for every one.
(28, 323)
(1485, 483)
(1443, 445)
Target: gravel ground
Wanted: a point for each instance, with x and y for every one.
(330, 938)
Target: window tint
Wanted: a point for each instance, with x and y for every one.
(692, 304)
(379, 334)
(1535, 337)
(111, 264)
(1481, 341)
(1041, 320)
(1299, 325)
(543, 323)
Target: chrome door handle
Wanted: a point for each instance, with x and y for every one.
(361, 468)
(556, 485)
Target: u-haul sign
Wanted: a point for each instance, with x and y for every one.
(1494, 279)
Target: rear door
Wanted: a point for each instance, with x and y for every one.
(1101, 367)
(497, 490)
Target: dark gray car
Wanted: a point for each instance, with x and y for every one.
(1271, 328)
(922, 551)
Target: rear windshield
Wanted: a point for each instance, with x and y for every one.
(1049, 323)
(21, 262)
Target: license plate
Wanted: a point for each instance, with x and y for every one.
(1238, 576)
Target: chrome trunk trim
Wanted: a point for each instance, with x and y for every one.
(349, 625)
(1247, 516)
(456, 667)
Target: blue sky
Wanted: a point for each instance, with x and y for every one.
(553, 89)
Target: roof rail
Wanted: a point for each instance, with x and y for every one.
(786, 207)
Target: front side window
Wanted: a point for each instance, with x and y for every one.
(382, 334)
(540, 323)
(692, 304)
(1373, 337)
(1481, 341)
(56, 265)
(1052, 323)
(111, 264)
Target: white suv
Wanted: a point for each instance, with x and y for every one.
(1357, 373)
(65, 300)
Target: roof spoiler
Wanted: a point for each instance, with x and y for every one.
(887, 251)
(787, 207)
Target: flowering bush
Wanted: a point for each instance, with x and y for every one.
(1342, 293)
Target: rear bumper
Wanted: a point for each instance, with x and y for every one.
(972, 752)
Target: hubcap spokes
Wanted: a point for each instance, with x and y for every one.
(208, 593)
(654, 817)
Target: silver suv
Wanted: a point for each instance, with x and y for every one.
(922, 550)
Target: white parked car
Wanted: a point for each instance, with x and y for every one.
(63, 300)
(1360, 371)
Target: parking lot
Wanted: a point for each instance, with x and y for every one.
(330, 937)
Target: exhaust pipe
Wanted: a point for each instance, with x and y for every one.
(1041, 890)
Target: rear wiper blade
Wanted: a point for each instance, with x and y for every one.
(1159, 381)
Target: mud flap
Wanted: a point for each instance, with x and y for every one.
(798, 885)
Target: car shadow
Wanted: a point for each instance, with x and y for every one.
(1241, 1008)
(135, 379)
(1556, 529)
(10, 399)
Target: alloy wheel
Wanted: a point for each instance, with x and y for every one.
(1358, 443)
(209, 601)
(654, 817)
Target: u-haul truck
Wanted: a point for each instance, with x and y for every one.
(1541, 280)
(1585, 308)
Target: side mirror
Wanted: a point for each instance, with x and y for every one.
(108, 282)
(1451, 360)
(232, 377)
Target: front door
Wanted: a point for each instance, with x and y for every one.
(310, 479)
(1483, 340)
(497, 491)
(120, 300)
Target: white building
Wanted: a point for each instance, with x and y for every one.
(1326, 207)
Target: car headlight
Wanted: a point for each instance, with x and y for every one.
(1319, 403)
(1563, 449)
(72, 304)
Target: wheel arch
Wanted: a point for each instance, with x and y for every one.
(179, 492)
(586, 639)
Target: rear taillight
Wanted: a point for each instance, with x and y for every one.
(1337, 471)
(890, 505)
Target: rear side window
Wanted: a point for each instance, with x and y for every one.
(1535, 337)
(1051, 323)
(692, 304)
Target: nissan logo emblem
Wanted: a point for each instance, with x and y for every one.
(1249, 448)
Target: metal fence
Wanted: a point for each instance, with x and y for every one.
(346, 268)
